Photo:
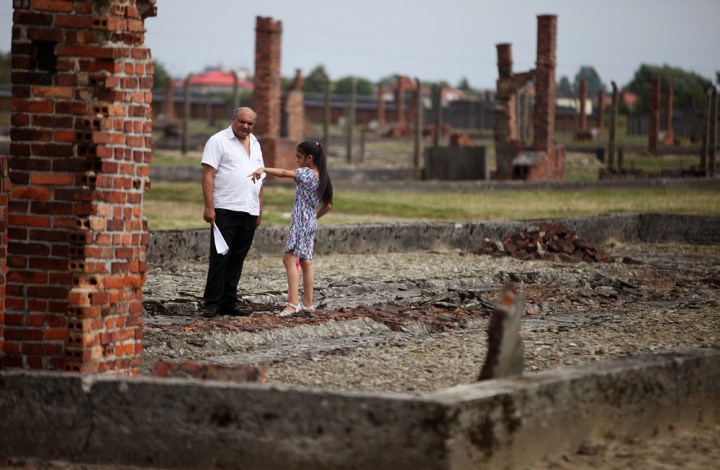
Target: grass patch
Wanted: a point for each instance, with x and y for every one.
(180, 205)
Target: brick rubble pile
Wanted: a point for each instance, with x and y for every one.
(548, 241)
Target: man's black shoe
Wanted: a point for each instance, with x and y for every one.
(235, 312)
(211, 311)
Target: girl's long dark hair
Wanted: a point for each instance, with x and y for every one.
(325, 189)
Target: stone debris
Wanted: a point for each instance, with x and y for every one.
(547, 241)
(505, 352)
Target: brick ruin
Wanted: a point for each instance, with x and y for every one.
(73, 238)
(542, 160)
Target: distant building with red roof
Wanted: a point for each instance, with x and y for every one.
(216, 81)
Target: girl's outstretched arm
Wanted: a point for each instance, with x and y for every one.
(324, 209)
(279, 172)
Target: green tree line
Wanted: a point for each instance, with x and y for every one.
(688, 87)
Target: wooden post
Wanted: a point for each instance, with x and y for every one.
(186, 114)
(351, 119)
(417, 161)
(613, 127)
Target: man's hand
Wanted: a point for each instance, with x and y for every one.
(209, 215)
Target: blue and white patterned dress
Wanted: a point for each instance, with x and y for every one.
(303, 220)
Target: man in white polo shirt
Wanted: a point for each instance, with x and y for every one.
(233, 204)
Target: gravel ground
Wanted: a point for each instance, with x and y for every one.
(416, 322)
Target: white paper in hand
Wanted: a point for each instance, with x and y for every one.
(220, 244)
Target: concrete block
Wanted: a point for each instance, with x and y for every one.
(507, 423)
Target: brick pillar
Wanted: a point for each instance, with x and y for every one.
(669, 134)
(400, 100)
(582, 117)
(79, 162)
(5, 187)
(381, 109)
(545, 84)
(601, 109)
(267, 91)
(505, 113)
(294, 110)
(654, 130)
(169, 103)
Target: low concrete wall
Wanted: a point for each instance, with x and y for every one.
(183, 423)
(174, 245)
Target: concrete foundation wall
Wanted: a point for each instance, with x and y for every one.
(179, 423)
(174, 245)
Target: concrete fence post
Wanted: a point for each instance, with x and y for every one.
(438, 114)
(186, 115)
(419, 109)
(351, 119)
(327, 115)
(613, 127)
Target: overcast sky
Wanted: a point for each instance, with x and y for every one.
(433, 39)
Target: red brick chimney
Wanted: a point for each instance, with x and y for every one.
(79, 163)
(582, 117)
(669, 134)
(267, 85)
(545, 84)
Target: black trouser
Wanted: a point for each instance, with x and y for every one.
(238, 229)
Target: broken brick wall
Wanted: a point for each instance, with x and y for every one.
(79, 164)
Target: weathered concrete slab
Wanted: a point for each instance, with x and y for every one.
(185, 245)
(509, 423)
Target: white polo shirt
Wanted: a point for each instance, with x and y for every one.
(234, 189)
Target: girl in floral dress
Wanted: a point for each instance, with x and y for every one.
(313, 190)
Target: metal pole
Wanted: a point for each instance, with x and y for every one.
(613, 127)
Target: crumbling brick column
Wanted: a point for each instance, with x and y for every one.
(170, 103)
(294, 110)
(654, 131)
(601, 109)
(79, 163)
(381, 108)
(545, 84)
(267, 83)
(582, 117)
(669, 134)
(400, 104)
(505, 112)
